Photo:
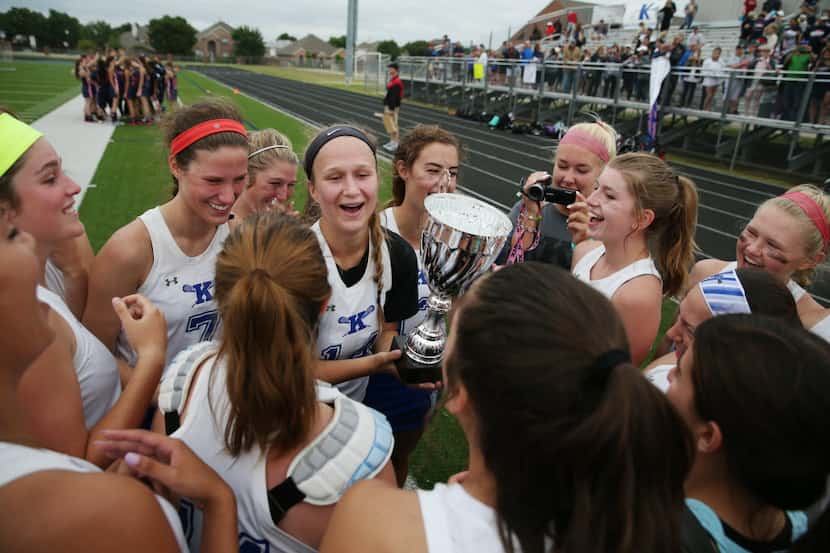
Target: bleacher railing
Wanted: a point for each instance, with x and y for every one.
(777, 98)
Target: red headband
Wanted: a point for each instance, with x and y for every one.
(580, 138)
(202, 130)
(813, 211)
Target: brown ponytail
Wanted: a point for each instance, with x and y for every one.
(271, 285)
(673, 199)
(585, 452)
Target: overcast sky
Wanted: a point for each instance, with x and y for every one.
(401, 20)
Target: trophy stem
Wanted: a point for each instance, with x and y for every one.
(425, 344)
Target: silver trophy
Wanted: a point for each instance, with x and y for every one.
(461, 240)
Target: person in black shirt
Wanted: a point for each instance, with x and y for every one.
(392, 107)
(667, 12)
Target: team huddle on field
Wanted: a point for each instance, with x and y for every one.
(221, 375)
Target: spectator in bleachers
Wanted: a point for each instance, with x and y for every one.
(676, 55)
(770, 37)
(571, 55)
(666, 14)
(809, 8)
(601, 29)
(527, 52)
(613, 73)
(763, 80)
(690, 12)
(640, 35)
(572, 21)
(818, 34)
(594, 76)
(771, 6)
(803, 23)
(820, 100)
(749, 8)
(758, 26)
(738, 62)
(796, 64)
(712, 77)
(578, 35)
(691, 79)
(553, 73)
(746, 29)
(790, 37)
(695, 38)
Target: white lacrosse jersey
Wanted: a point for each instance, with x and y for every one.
(456, 522)
(610, 284)
(387, 219)
(203, 430)
(181, 287)
(350, 325)
(94, 364)
(18, 461)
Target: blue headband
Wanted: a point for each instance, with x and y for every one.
(724, 294)
(325, 137)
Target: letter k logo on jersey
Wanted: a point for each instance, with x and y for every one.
(202, 291)
(355, 321)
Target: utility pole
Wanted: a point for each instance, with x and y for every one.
(351, 39)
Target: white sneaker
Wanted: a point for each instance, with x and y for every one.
(390, 146)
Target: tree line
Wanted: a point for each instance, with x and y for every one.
(167, 34)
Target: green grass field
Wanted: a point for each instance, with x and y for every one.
(133, 176)
(32, 89)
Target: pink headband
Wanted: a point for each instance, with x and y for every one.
(813, 211)
(580, 138)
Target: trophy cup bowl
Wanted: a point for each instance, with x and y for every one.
(462, 238)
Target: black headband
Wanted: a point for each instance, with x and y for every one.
(325, 137)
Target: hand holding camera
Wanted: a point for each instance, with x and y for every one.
(538, 188)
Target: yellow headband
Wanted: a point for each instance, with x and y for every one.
(15, 138)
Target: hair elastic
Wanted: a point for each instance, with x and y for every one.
(265, 149)
(813, 211)
(724, 294)
(325, 137)
(603, 366)
(202, 130)
(580, 138)
(16, 137)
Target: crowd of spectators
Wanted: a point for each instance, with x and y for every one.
(765, 72)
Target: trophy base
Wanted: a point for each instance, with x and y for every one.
(411, 371)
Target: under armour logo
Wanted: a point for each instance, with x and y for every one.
(202, 291)
(171, 281)
(355, 321)
(330, 308)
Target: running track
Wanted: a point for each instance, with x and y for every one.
(496, 160)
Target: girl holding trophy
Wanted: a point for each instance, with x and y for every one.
(426, 162)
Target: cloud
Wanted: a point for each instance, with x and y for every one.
(401, 20)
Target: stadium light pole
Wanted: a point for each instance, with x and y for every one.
(351, 36)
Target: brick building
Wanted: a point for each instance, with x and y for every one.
(215, 42)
